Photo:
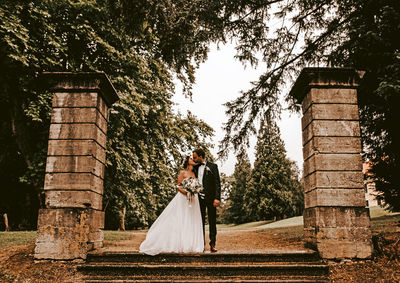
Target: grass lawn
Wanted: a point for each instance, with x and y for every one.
(16, 238)
(381, 221)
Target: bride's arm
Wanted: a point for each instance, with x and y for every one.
(180, 178)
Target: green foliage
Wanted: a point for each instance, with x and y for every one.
(269, 191)
(274, 191)
(289, 35)
(145, 138)
(372, 45)
(235, 212)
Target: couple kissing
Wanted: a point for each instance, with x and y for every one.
(180, 228)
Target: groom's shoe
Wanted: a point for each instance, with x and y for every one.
(213, 249)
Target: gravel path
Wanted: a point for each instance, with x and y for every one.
(227, 241)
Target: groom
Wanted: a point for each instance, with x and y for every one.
(208, 175)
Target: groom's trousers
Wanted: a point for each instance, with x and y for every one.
(208, 208)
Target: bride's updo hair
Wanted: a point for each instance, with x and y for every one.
(185, 161)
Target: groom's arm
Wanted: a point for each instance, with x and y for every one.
(217, 183)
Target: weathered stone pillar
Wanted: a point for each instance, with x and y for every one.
(336, 220)
(72, 222)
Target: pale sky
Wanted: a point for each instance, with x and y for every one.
(220, 79)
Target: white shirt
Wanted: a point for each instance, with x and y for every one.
(201, 172)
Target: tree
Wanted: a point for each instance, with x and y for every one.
(274, 189)
(289, 35)
(226, 187)
(235, 211)
(145, 137)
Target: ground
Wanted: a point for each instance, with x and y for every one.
(17, 263)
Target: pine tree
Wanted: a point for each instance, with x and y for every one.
(235, 212)
(274, 187)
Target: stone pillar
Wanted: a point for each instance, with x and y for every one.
(336, 220)
(72, 222)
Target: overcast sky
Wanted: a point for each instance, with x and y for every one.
(220, 79)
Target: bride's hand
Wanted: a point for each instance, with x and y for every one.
(182, 191)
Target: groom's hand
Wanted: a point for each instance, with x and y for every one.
(216, 203)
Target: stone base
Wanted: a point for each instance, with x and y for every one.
(338, 232)
(68, 233)
(337, 249)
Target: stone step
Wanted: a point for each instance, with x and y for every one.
(204, 258)
(219, 271)
(227, 280)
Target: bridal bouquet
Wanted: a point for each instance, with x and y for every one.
(192, 186)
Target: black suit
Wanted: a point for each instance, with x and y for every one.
(212, 190)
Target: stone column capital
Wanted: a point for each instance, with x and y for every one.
(81, 82)
(316, 77)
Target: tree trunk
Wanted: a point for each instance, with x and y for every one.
(122, 219)
(5, 218)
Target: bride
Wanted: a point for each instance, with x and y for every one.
(179, 227)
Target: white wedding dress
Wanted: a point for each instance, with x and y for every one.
(178, 229)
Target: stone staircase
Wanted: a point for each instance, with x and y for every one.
(296, 266)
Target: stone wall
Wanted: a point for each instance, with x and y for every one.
(336, 221)
(72, 222)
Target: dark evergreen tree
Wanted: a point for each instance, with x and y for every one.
(235, 211)
(274, 187)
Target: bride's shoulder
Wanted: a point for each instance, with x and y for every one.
(182, 174)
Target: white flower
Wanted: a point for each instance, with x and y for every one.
(192, 186)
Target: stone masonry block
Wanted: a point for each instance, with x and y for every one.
(335, 197)
(330, 112)
(332, 162)
(336, 249)
(334, 179)
(77, 147)
(74, 164)
(329, 95)
(96, 226)
(77, 99)
(70, 198)
(309, 217)
(73, 181)
(96, 236)
(65, 217)
(309, 236)
(343, 233)
(77, 132)
(94, 245)
(103, 108)
(331, 145)
(334, 217)
(96, 219)
(79, 115)
(62, 234)
(322, 128)
(80, 99)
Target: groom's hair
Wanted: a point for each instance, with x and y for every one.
(200, 152)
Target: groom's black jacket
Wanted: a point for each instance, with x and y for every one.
(211, 181)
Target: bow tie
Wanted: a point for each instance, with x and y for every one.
(202, 163)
